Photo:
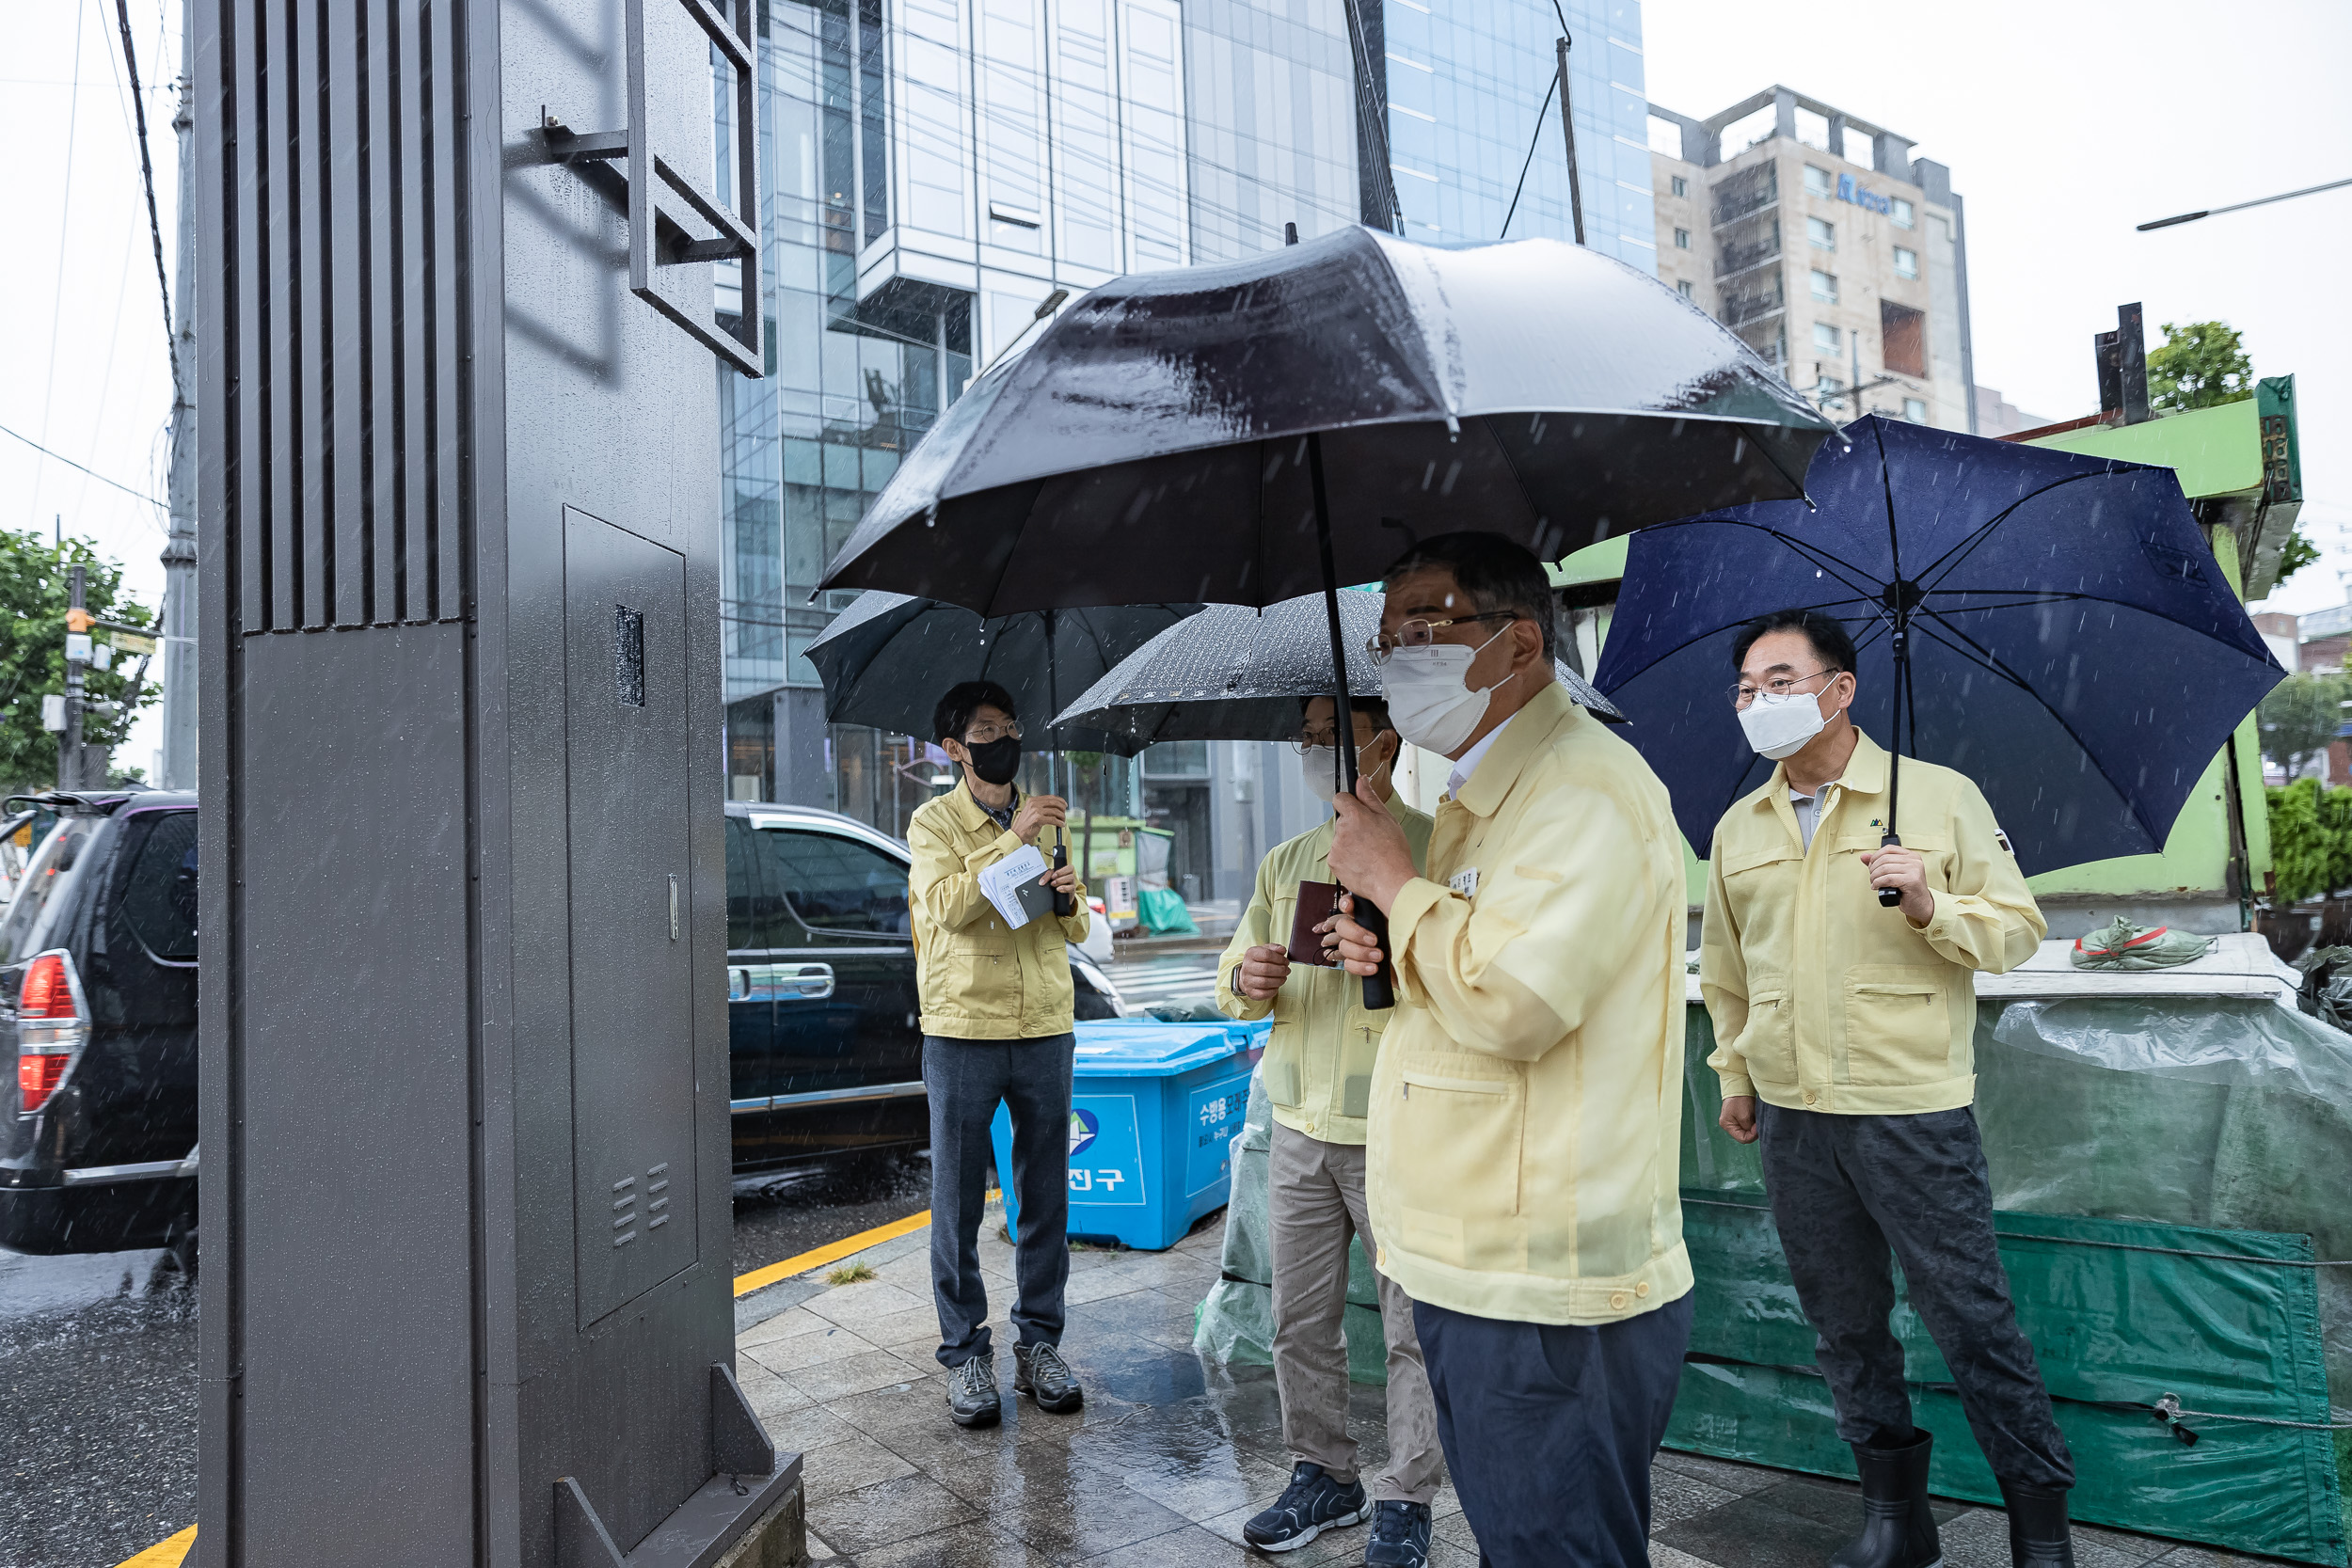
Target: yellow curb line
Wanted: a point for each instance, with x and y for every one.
(832, 1251)
(174, 1552)
(165, 1554)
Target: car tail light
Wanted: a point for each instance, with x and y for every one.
(52, 1026)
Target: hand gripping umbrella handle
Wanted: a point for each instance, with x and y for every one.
(1380, 989)
(1890, 896)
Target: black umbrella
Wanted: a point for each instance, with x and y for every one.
(2051, 624)
(1198, 430)
(886, 659)
(1232, 672)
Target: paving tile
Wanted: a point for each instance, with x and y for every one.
(830, 1381)
(957, 1547)
(902, 1405)
(916, 1325)
(1331, 1547)
(845, 1466)
(768, 1394)
(808, 1349)
(1674, 1498)
(1202, 1488)
(1667, 1556)
(854, 1306)
(1731, 1477)
(807, 1427)
(1144, 1313)
(886, 1512)
(1445, 1553)
(784, 1326)
(1760, 1533)
(1188, 1548)
(2205, 1557)
(1074, 1511)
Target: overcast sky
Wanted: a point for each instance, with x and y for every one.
(2064, 122)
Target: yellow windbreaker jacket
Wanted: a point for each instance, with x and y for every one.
(980, 980)
(1821, 999)
(1319, 1054)
(1526, 1105)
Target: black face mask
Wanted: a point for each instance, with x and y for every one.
(996, 761)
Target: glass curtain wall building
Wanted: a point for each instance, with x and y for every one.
(932, 170)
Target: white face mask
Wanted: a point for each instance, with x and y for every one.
(1780, 726)
(1430, 703)
(1320, 766)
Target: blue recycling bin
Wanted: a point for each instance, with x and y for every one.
(1154, 1108)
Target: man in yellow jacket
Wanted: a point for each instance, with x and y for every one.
(1525, 1127)
(1318, 1065)
(997, 1016)
(1851, 1023)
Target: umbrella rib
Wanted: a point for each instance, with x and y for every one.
(1712, 631)
(2076, 597)
(1962, 551)
(1992, 661)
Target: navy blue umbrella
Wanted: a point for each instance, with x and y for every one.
(2064, 635)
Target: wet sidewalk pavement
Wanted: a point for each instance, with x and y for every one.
(1171, 1455)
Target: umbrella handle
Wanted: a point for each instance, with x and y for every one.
(1890, 896)
(1380, 989)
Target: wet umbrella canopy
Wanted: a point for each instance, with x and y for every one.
(1151, 444)
(1232, 672)
(2074, 647)
(888, 658)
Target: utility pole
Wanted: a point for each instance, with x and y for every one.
(178, 770)
(1568, 132)
(70, 742)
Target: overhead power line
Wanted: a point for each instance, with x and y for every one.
(101, 479)
(147, 173)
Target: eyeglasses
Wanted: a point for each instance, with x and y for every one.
(981, 734)
(1310, 740)
(1421, 634)
(1743, 693)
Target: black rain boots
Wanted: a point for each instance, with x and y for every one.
(2038, 1532)
(1897, 1529)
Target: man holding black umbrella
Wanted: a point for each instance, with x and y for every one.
(1522, 1168)
(1852, 1025)
(996, 1027)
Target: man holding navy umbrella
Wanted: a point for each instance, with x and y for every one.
(1845, 1032)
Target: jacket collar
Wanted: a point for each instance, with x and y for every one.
(1548, 714)
(1864, 774)
(968, 811)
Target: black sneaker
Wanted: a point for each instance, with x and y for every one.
(972, 1399)
(1400, 1535)
(1312, 1503)
(1038, 1371)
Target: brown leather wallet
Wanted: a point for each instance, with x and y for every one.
(1316, 902)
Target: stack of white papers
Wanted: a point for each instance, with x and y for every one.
(1002, 883)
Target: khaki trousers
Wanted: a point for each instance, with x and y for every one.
(1315, 1192)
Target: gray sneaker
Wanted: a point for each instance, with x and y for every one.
(1038, 1371)
(972, 1399)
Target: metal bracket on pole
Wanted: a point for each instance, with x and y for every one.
(660, 234)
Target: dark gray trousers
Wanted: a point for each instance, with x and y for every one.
(1846, 1188)
(966, 1080)
(1550, 1430)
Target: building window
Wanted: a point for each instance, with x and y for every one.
(1915, 410)
(1665, 137)
(1906, 262)
(1902, 214)
(1825, 336)
(1821, 233)
(1682, 187)
(1683, 241)
(1684, 289)
(1828, 391)
(1824, 287)
(1817, 181)
(1904, 338)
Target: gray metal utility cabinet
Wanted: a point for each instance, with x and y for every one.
(465, 1291)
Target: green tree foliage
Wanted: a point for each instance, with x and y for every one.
(2298, 553)
(2301, 716)
(34, 594)
(2197, 365)
(2311, 840)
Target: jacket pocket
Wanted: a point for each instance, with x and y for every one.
(1461, 1129)
(1768, 1043)
(1281, 1066)
(1359, 1051)
(1899, 1024)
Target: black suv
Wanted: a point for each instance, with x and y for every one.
(98, 1002)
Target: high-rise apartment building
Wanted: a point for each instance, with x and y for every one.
(934, 169)
(1823, 242)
